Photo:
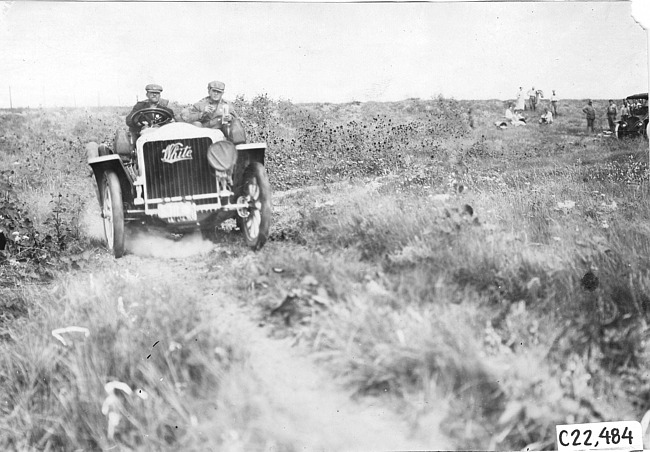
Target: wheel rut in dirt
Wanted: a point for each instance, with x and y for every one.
(314, 411)
(304, 407)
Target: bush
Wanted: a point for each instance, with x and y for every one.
(309, 146)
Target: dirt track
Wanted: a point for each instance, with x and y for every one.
(304, 406)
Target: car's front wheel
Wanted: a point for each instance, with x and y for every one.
(113, 213)
(618, 129)
(256, 223)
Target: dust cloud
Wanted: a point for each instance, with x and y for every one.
(154, 243)
(148, 243)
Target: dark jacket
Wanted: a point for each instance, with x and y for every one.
(163, 103)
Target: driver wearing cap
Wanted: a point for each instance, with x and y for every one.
(153, 101)
(211, 111)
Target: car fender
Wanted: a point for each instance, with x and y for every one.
(113, 162)
(251, 152)
(247, 154)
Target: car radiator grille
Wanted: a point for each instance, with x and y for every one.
(181, 178)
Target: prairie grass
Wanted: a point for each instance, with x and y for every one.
(424, 261)
(53, 393)
(485, 304)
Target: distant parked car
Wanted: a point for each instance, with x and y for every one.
(637, 123)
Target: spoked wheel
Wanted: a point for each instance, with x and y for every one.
(113, 213)
(255, 221)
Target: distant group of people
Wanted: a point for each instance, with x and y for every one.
(514, 114)
(535, 97)
(611, 112)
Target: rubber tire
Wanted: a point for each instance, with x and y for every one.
(113, 213)
(255, 174)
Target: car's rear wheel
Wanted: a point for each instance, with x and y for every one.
(257, 191)
(113, 213)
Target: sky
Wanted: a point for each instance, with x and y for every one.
(104, 53)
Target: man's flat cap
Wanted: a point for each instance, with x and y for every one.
(153, 87)
(219, 86)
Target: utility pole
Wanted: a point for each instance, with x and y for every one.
(11, 105)
(98, 103)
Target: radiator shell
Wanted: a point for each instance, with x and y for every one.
(185, 177)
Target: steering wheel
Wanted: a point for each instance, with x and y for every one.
(152, 116)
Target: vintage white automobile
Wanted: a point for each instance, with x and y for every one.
(181, 177)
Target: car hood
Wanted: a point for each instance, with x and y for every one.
(178, 131)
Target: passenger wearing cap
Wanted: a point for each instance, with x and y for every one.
(153, 101)
(211, 111)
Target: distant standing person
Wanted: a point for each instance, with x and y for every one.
(590, 113)
(521, 101)
(532, 97)
(625, 110)
(611, 115)
(554, 103)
